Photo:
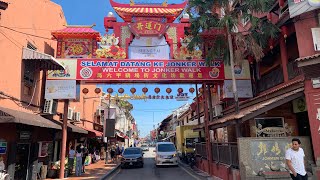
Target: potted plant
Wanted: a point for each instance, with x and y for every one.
(54, 170)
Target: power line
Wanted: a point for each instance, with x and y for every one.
(26, 33)
(10, 39)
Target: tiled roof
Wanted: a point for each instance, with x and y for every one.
(76, 30)
(251, 109)
(307, 57)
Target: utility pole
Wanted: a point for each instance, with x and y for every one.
(105, 124)
(64, 138)
(234, 85)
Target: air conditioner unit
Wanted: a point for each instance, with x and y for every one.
(76, 116)
(217, 111)
(100, 112)
(50, 106)
(70, 113)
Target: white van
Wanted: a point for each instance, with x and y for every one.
(166, 154)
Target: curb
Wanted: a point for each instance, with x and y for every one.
(110, 172)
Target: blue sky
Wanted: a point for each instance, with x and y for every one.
(151, 112)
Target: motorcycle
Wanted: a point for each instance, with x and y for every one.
(191, 159)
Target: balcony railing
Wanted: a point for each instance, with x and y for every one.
(201, 150)
(226, 153)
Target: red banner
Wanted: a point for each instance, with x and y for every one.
(149, 70)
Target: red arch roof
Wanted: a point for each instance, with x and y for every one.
(126, 11)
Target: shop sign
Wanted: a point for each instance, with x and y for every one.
(182, 97)
(148, 28)
(3, 147)
(60, 89)
(244, 89)
(297, 7)
(25, 135)
(149, 48)
(149, 70)
(69, 72)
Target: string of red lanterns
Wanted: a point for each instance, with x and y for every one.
(144, 90)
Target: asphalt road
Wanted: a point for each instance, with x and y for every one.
(151, 172)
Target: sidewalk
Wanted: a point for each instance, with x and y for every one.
(95, 171)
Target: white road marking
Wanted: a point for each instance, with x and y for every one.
(189, 173)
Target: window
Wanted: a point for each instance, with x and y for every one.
(31, 46)
(29, 70)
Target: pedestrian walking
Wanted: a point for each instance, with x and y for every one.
(113, 153)
(85, 153)
(295, 161)
(71, 156)
(78, 161)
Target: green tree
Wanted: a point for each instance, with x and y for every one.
(230, 44)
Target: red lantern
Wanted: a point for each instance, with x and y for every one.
(281, 3)
(157, 90)
(201, 90)
(133, 90)
(85, 90)
(144, 90)
(284, 31)
(180, 90)
(250, 59)
(97, 90)
(271, 43)
(168, 90)
(120, 90)
(191, 90)
(269, 16)
(193, 106)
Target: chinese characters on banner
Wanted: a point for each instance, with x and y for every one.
(148, 28)
(149, 70)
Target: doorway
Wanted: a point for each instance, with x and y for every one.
(22, 161)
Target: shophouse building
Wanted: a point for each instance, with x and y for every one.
(27, 53)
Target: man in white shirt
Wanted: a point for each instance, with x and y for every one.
(295, 161)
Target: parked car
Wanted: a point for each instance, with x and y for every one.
(145, 147)
(132, 156)
(166, 154)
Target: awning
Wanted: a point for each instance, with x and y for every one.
(44, 61)
(14, 116)
(77, 129)
(92, 132)
(259, 108)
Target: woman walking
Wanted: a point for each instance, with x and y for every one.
(78, 161)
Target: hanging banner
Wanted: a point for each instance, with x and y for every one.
(244, 89)
(69, 71)
(60, 89)
(241, 70)
(149, 70)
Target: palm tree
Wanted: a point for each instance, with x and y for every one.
(230, 44)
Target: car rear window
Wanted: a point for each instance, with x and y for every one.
(132, 151)
(166, 148)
